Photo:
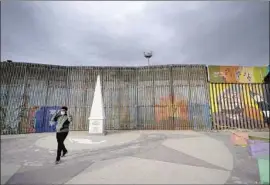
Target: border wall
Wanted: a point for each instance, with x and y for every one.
(169, 97)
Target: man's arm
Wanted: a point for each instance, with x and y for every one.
(69, 118)
(55, 116)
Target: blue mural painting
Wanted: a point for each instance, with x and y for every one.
(42, 119)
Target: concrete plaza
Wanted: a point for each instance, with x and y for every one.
(134, 157)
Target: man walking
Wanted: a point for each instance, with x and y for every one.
(62, 129)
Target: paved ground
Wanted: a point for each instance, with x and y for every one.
(150, 157)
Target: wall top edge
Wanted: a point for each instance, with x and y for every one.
(238, 83)
(209, 66)
(25, 64)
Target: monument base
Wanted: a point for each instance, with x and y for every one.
(96, 126)
(99, 134)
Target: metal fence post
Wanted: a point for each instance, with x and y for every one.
(24, 104)
(136, 98)
(172, 92)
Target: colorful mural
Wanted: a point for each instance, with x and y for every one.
(166, 110)
(236, 74)
(31, 119)
(181, 114)
(38, 119)
(237, 105)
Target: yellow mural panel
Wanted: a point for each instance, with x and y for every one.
(235, 103)
(237, 74)
(215, 91)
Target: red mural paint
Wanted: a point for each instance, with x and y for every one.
(166, 109)
(31, 118)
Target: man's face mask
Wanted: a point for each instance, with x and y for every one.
(63, 112)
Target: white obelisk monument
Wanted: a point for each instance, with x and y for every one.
(97, 115)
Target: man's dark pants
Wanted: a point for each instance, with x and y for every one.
(61, 136)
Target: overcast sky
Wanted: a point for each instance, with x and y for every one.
(117, 33)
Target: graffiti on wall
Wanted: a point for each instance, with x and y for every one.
(38, 119)
(166, 109)
(236, 74)
(178, 113)
(237, 105)
(31, 119)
